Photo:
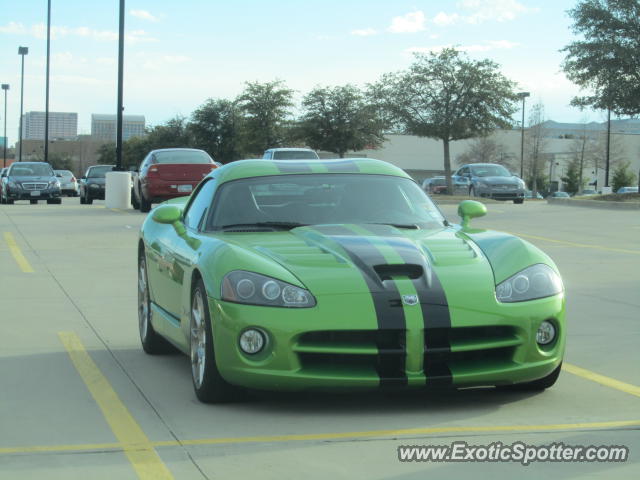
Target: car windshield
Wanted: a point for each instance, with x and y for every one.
(295, 155)
(490, 171)
(438, 182)
(99, 172)
(181, 156)
(324, 199)
(31, 170)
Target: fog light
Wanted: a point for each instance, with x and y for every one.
(252, 341)
(546, 333)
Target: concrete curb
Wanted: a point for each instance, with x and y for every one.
(572, 202)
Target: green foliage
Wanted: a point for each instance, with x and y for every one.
(605, 60)
(216, 128)
(338, 120)
(265, 107)
(107, 154)
(173, 134)
(572, 178)
(60, 161)
(447, 96)
(623, 176)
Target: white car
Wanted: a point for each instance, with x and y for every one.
(290, 154)
(68, 182)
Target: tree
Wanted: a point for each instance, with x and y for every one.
(338, 120)
(266, 107)
(173, 134)
(623, 176)
(107, 153)
(486, 150)
(215, 127)
(536, 141)
(449, 97)
(572, 178)
(605, 60)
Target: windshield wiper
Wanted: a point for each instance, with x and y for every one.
(274, 225)
(410, 226)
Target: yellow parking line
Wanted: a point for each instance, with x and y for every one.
(135, 443)
(602, 380)
(20, 259)
(579, 245)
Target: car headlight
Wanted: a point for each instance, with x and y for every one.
(94, 185)
(54, 184)
(13, 185)
(536, 281)
(251, 288)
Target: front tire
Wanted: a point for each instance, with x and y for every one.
(134, 200)
(33, 202)
(145, 205)
(519, 201)
(152, 343)
(88, 200)
(208, 384)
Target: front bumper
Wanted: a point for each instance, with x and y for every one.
(161, 190)
(95, 191)
(44, 194)
(500, 194)
(333, 348)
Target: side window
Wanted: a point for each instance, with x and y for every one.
(200, 204)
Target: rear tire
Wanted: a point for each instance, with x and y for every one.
(134, 200)
(82, 201)
(33, 202)
(519, 200)
(208, 384)
(145, 205)
(537, 385)
(152, 343)
(88, 200)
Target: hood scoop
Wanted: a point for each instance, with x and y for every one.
(387, 272)
(450, 251)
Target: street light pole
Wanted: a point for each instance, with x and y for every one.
(46, 111)
(522, 95)
(120, 88)
(5, 87)
(21, 51)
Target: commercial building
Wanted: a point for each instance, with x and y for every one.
(62, 125)
(103, 127)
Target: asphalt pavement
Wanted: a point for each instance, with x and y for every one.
(79, 399)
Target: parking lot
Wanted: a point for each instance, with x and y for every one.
(80, 399)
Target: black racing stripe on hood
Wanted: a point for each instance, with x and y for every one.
(434, 305)
(386, 299)
(286, 166)
(344, 166)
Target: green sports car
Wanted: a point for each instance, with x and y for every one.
(342, 274)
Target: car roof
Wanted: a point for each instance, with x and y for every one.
(18, 164)
(177, 149)
(290, 149)
(263, 168)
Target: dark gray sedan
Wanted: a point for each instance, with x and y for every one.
(490, 180)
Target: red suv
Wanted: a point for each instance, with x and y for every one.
(169, 173)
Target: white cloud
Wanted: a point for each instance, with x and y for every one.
(409, 23)
(106, 61)
(139, 36)
(144, 15)
(365, 32)
(14, 28)
(444, 19)
(498, 10)
(162, 62)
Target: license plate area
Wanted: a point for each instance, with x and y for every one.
(185, 188)
(35, 193)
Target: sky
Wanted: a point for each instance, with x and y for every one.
(179, 54)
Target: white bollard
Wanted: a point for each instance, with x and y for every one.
(118, 190)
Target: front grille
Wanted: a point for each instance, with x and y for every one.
(34, 186)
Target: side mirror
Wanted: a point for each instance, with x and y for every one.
(469, 209)
(169, 215)
(59, 175)
(83, 178)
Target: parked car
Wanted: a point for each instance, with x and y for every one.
(290, 154)
(560, 195)
(491, 180)
(627, 190)
(310, 296)
(31, 181)
(588, 192)
(438, 185)
(68, 183)
(529, 194)
(93, 182)
(169, 173)
(3, 175)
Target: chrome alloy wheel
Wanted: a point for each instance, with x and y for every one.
(143, 300)
(198, 339)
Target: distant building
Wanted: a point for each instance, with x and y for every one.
(3, 141)
(629, 126)
(62, 125)
(103, 127)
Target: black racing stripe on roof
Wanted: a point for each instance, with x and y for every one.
(345, 166)
(292, 166)
(433, 303)
(386, 299)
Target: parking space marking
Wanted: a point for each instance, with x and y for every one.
(135, 444)
(602, 380)
(381, 434)
(20, 259)
(580, 245)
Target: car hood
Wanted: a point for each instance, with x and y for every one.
(22, 179)
(347, 259)
(500, 180)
